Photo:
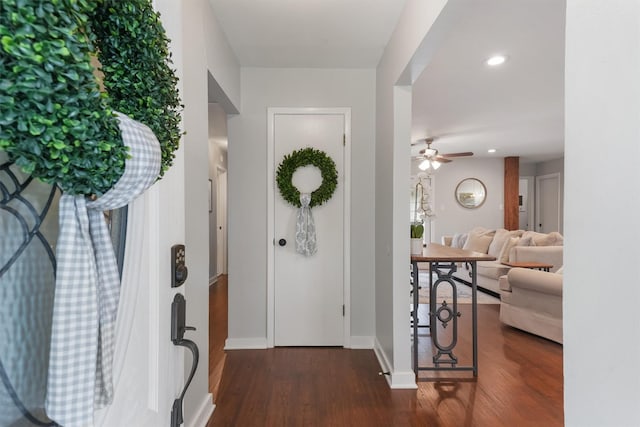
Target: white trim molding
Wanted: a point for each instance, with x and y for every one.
(362, 342)
(246, 343)
(396, 380)
(204, 412)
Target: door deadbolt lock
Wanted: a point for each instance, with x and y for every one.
(179, 271)
(282, 242)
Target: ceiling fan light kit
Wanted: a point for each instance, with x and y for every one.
(426, 164)
(431, 159)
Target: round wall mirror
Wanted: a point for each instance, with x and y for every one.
(471, 193)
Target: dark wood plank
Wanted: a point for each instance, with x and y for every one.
(511, 193)
(519, 384)
(218, 315)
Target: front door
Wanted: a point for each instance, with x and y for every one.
(309, 290)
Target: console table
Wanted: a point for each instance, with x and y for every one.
(442, 261)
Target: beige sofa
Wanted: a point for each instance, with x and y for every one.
(531, 300)
(506, 246)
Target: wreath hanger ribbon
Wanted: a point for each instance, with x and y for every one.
(305, 228)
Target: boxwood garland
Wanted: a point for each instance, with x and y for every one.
(305, 157)
(54, 122)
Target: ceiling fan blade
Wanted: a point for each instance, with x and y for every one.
(463, 154)
(442, 159)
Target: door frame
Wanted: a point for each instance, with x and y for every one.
(221, 220)
(556, 176)
(530, 202)
(272, 112)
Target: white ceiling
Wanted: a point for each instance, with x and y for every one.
(308, 33)
(516, 109)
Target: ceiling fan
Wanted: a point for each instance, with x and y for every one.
(432, 159)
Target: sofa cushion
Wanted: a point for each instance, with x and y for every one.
(499, 240)
(503, 257)
(492, 269)
(543, 239)
(478, 242)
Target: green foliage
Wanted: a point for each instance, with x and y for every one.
(54, 122)
(417, 230)
(134, 52)
(304, 157)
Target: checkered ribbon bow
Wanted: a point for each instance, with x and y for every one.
(88, 287)
(305, 228)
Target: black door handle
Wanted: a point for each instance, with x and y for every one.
(282, 242)
(178, 328)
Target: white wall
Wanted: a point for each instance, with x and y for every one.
(272, 87)
(217, 159)
(601, 327)
(204, 51)
(452, 218)
(392, 160)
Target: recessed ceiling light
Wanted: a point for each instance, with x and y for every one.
(491, 150)
(496, 60)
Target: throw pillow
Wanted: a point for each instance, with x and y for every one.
(478, 242)
(542, 239)
(558, 239)
(506, 248)
(458, 240)
(499, 239)
(525, 241)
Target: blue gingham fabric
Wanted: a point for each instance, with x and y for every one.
(305, 228)
(88, 287)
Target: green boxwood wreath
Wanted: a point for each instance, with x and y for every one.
(305, 157)
(55, 124)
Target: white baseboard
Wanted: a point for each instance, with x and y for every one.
(203, 414)
(245, 343)
(396, 380)
(382, 360)
(362, 342)
(403, 380)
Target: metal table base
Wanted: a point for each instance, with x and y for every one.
(445, 315)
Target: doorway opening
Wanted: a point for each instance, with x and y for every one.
(218, 243)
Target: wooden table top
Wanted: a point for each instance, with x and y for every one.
(528, 264)
(438, 252)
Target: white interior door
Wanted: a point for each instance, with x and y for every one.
(548, 203)
(526, 205)
(221, 219)
(309, 291)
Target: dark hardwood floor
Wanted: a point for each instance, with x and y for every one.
(520, 382)
(217, 332)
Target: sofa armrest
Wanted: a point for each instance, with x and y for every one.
(535, 280)
(545, 254)
(503, 283)
(446, 240)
